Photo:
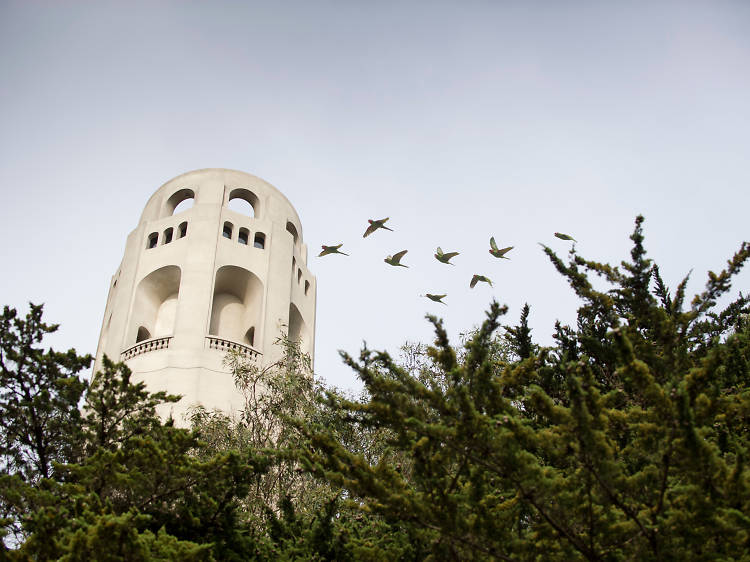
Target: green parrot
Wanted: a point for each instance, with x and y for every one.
(477, 278)
(562, 236)
(435, 298)
(498, 252)
(331, 250)
(395, 259)
(445, 257)
(374, 225)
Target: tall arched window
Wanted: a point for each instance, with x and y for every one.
(244, 201)
(153, 240)
(260, 240)
(250, 336)
(243, 236)
(237, 302)
(167, 236)
(143, 334)
(298, 330)
(180, 201)
(227, 230)
(155, 304)
(291, 229)
(183, 229)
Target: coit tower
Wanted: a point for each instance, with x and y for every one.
(216, 263)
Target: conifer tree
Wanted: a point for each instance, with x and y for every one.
(40, 392)
(626, 439)
(39, 396)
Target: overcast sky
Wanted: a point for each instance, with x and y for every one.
(458, 120)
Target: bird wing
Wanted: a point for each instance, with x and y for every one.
(474, 281)
(397, 257)
(562, 236)
(450, 255)
(370, 229)
(439, 251)
(505, 250)
(492, 243)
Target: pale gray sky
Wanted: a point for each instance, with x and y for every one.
(459, 120)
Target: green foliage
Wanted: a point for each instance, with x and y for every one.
(94, 535)
(39, 417)
(39, 396)
(292, 514)
(272, 394)
(118, 410)
(625, 440)
(138, 483)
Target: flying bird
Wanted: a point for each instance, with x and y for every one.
(435, 298)
(498, 252)
(477, 278)
(395, 259)
(331, 250)
(374, 225)
(562, 236)
(445, 257)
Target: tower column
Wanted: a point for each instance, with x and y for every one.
(196, 281)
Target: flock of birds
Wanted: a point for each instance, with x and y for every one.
(442, 257)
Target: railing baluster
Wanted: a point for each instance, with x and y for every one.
(222, 344)
(145, 347)
(163, 343)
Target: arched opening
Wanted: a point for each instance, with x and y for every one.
(241, 206)
(182, 229)
(153, 239)
(237, 303)
(298, 331)
(226, 232)
(166, 315)
(260, 240)
(244, 201)
(155, 304)
(243, 236)
(180, 201)
(290, 228)
(167, 238)
(250, 336)
(307, 286)
(299, 275)
(143, 334)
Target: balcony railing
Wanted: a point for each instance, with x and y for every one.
(144, 347)
(228, 345)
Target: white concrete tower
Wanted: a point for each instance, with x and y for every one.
(195, 283)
